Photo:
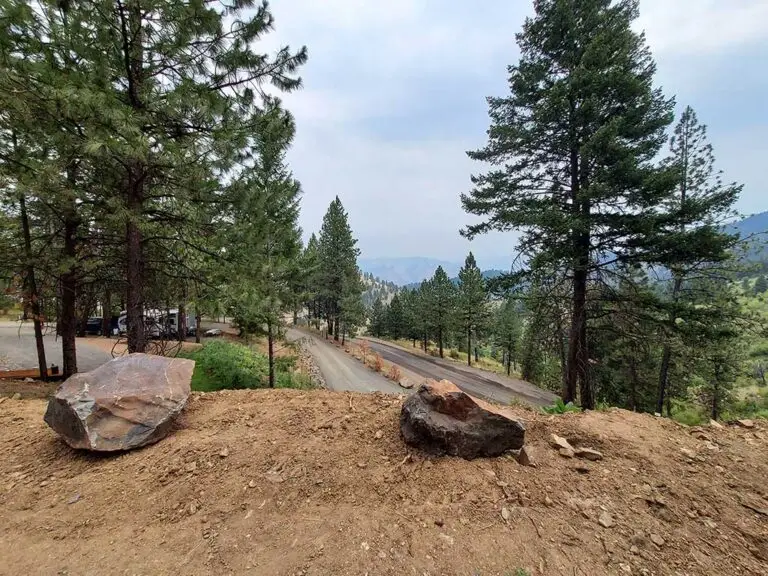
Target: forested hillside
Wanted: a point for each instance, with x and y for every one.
(377, 289)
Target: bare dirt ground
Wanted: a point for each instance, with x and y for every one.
(303, 483)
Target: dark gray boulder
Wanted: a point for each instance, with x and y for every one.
(441, 419)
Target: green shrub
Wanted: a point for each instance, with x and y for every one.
(292, 380)
(561, 407)
(285, 363)
(222, 365)
(687, 413)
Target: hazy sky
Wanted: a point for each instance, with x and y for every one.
(394, 94)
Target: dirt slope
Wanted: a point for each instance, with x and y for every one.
(289, 482)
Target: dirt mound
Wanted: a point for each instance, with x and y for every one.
(291, 482)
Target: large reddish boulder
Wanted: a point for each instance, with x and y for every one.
(126, 403)
(440, 418)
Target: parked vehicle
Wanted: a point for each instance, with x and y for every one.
(159, 323)
(94, 326)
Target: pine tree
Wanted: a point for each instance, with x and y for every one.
(697, 241)
(395, 320)
(377, 318)
(337, 264)
(265, 239)
(441, 306)
(472, 302)
(575, 141)
(411, 314)
(158, 115)
(761, 285)
(310, 267)
(508, 332)
(351, 309)
(422, 312)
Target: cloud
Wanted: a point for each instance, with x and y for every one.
(698, 28)
(395, 94)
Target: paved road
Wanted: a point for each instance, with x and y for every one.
(341, 371)
(486, 385)
(18, 351)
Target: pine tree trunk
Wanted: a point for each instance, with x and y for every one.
(133, 55)
(477, 355)
(181, 322)
(106, 314)
(425, 341)
(33, 300)
(440, 341)
(198, 320)
(295, 317)
(336, 329)
(343, 334)
(270, 344)
(666, 354)
(715, 395)
(634, 382)
(469, 346)
(414, 342)
(135, 273)
(68, 291)
(509, 361)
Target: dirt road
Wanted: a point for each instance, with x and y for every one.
(17, 349)
(341, 371)
(486, 385)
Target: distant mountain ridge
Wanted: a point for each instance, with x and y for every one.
(406, 270)
(754, 230)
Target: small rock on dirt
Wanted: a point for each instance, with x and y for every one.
(658, 540)
(560, 442)
(745, 423)
(589, 454)
(224, 452)
(524, 457)
(715, 424)
(75, 498)
(379, 434)
(439, 523)
(505, 514)
(566, 452)
(605, 520)
(405, 383)
(16, 396)
(688, 453)
(252, 484)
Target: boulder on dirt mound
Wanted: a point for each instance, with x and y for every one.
(440, 418)
(126, 403)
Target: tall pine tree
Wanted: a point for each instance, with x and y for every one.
(573, 147)
(698, 246)
(338, 275)
(441, 306)
(472, 302)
